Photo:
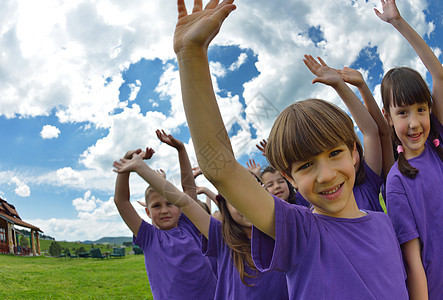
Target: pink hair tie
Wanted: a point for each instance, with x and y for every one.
(400, 149)
(436, 143)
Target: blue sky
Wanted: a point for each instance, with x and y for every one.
(83, 81)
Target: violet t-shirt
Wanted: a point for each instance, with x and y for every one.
(175, 265)
(332, 258)
(268, 285)
(416, 209)
(366, 193)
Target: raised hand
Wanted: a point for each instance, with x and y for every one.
(325, 74)
(200, 27)
(390, 11)
(196, 171)
(351, 76)
(126, 165)
(161, 173)
(254, 167)
(169, 139)
(147, 154)
(262, 146)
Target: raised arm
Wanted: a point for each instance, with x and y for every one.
(358, 111)
(122, 194)
(188, 206)
(355, 78)
(253, 167)
(187, 177)
(391, 15)
(215, 157)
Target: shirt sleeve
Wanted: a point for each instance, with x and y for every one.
(211, 247)
(369, 190)
(144, 235)
(400, 211)
(292, 228)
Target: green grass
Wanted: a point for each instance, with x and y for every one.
(47, 277)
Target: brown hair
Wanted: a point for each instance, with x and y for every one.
(237, 240)
(401, 87)
(306, 129)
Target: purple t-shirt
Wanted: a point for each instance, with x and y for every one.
(366, 193)
(332, 258)
(174, 263)
(268, 285)
(416, 209)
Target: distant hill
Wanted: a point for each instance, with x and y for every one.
(111, 240)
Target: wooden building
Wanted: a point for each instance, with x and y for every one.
(9, 243)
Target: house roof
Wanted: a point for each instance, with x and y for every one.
(8, 213)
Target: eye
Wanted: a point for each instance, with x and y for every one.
(304, 166)
(401, 112)
(335, 152)
(422, 109)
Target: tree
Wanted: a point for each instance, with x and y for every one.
(55, 249)
(80, 250)
(24, 242)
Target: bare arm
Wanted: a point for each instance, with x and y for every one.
(417, 282)
(214, 153)
(187, 177)
(355, 78)
(121, 199)
(188, 206)
(392, 15)
(361, 115)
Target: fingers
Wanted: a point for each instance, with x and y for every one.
(197, 6)
(322, 62)
(181, 8)
(212, 4)
(224, 9)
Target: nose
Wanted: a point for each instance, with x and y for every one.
(413, 121)
(325, 172)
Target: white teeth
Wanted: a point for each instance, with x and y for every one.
(333, 191)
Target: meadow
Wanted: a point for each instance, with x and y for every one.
(63, 278)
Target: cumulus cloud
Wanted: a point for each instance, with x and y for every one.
(49, 132)
(21, 188)
(68, 57)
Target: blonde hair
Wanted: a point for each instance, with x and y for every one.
(306, 129)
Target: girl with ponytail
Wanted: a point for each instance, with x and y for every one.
(414, 187)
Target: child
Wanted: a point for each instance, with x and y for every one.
(334, 251)
(175, 266)
(228, 241)
(280, 187)
(369, 167)
(414, 185)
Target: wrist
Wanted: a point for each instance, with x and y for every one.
(396, 21)
(191, 53)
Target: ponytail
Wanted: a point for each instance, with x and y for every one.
(435, 138)
(403, 165)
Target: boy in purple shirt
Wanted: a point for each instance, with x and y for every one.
(175, 266)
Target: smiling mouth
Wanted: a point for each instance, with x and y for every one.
(415, 136)
(332, 191)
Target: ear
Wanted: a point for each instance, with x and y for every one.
(387, 117)
(148, 212)
(290, 179)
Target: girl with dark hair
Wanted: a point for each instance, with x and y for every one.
(414, 187)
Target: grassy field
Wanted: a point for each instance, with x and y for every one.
(47, 277)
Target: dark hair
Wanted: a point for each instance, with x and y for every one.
(360, 174)
(400, 87)
(237, 240)
(291, 198)
(306, 129)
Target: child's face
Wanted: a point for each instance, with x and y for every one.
(327, 180)
(276, 185)
(412, 125)
(164, 215)
(238, 217)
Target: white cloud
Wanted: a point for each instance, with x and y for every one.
(135, 88)
(239, 62)
(21, 189)
(49, 132)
